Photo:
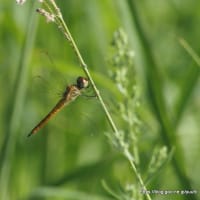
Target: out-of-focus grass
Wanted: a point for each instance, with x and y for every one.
(153, 76)
(14, 108)
(73, 151)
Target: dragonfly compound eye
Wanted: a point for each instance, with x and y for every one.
(82, 82)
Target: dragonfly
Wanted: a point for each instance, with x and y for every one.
(70, 94)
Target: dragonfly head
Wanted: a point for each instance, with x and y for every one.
(82, 82)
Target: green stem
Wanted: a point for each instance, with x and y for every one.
(190, 51)
(69, 37)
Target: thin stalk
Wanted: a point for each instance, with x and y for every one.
(190, 51)
(63, 27)
(84, 66)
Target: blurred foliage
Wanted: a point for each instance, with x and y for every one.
(69, 157)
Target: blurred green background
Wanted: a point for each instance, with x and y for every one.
(70, 157)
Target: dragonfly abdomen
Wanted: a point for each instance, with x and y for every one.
(52, 113)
